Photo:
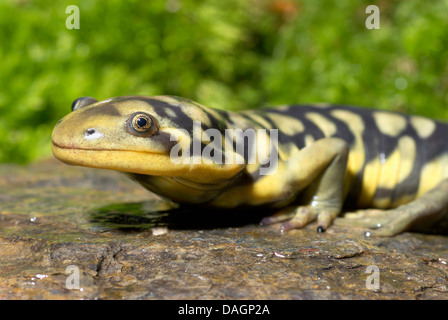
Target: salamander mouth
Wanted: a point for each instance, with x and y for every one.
(119, 160)
(100, 149)
(69, 147)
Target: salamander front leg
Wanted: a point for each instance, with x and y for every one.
(318, 171)
(416, 215)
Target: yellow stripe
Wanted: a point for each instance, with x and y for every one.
(389, 123)
(325, 125)
(370, 182)
(388, 177)
(408, 150)
(309, 140)
(356, 156)
(286, 124)
(432, 173)
(423, 126)
(287, 150)
(395, 169)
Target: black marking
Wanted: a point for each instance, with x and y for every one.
(181, 120)
(342, 130)
(217, 123)
(383, 193)
(225, 116)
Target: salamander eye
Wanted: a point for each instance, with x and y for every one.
(142, 124)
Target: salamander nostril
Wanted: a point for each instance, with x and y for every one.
(92, 134)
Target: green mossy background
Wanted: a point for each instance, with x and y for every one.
(233, 54)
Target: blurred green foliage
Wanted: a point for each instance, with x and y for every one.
(232, 54)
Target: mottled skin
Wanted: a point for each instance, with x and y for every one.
(391, 166)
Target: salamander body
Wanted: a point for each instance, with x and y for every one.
(311, 162)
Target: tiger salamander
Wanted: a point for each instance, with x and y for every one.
(389, 170)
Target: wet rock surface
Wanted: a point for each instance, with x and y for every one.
(60, 224)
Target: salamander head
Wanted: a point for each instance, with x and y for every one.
(134, 134)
